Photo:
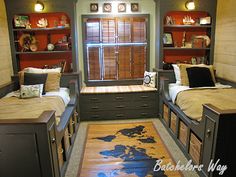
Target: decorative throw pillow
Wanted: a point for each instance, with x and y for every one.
(149, 79)
(32, 79)
(177, 73)
(53, 82)
(30, 91)
(184, 76)
(199, 77)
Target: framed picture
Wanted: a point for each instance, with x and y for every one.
(94, 7)
(21, 21)
(168, 40)
(134, 7)
(121, 7)
(107, 7)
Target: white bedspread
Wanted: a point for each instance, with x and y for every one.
(175, 88)
(64, 93)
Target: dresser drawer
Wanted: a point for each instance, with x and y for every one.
(195, 148)
(95, 107)
(183, 132)
(146, 113)
(114, 97)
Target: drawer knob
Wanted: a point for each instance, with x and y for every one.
(120, 106)
(95, 107)
(53, 140)
(208, 133)
(94, 99)
(120, 115)
(119, 98)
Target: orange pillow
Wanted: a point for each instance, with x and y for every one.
(184, 75)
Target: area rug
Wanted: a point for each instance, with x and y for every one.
(126, 149)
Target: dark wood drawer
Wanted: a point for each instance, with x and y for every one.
(95, 107)
(120, 97)
(195, 148)
(146, 113)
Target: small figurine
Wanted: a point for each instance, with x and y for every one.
(187, 20)
(64, 21)
(42, 23)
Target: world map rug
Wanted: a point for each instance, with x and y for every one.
(125, 149)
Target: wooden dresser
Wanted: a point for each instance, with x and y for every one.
(118, 102)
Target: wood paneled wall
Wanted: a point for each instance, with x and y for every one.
(5, 53)
(225, 44)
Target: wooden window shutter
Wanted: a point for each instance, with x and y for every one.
(108, 30)
(109, 63)
(139, 61)
(139, 30)
(124, 61)
(124, 29)
(93, 63)
(92, 30)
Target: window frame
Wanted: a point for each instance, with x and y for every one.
(114, 82)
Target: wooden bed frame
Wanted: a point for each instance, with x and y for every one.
(209, 139)
(39, 147)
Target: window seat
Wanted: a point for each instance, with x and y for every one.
(118, 102)
(116, 89)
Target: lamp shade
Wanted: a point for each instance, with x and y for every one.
(190, 5)
(38, 7)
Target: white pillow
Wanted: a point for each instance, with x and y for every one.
(30, 91)
(149, 79)
(177, 73)
(38, 70)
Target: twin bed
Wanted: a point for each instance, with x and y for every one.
(37, 134)
(201, 121)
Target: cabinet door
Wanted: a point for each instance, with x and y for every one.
(19, 155)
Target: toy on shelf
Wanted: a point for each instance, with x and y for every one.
(42, 23)
(187, 20)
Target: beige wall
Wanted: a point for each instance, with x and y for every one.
(5, 54)
(146, 7)
(225, 45)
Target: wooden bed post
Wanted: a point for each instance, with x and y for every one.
(218, 140)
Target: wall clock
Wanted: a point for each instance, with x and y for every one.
(107, 7)
(121, 7)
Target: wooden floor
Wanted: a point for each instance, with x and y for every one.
(124, 150)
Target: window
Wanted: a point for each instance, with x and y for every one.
(115, 48)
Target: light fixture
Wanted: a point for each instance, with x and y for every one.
(190, 5)
(38, 7)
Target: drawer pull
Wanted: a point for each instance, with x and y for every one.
(144, 114)
(120, 106)
(94, 99)
(53, 140)
(208, 133)
(119, 98)
(95, 107)
(95, 116)
(144, 96)
(144, 105)
(119, 115)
